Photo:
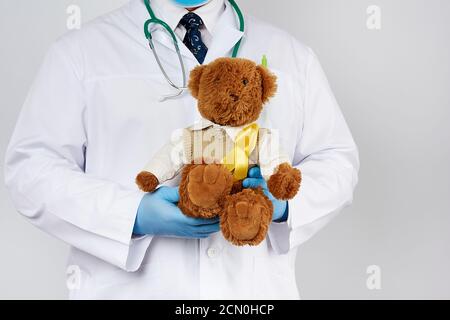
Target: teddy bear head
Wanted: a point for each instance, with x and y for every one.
(232, 91)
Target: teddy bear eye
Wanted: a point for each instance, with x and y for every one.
(245, 81)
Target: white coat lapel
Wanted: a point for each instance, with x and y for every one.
(224, 36)
(163, 37)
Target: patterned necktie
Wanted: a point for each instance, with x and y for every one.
(193, 39)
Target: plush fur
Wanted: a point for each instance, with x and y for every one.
(230, 92)
(246, 218)
(285, 183)
(147, 181)
(203, 189)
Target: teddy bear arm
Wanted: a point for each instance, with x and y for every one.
(282, 179)
(284, 184)
(164, 166)
(147, 181)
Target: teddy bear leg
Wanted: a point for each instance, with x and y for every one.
(285, 183)
(246, 217)
(237, 187)
(203, 189)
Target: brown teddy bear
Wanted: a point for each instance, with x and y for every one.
(215, 154)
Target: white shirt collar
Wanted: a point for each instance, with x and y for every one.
(232, 132)
(172, 14)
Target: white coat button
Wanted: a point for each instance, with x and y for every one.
(213, 252)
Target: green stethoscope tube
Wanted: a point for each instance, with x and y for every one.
(241, 26)
(154, 20)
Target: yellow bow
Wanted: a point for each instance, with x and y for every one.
(238, 158)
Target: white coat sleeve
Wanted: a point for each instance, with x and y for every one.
(44, 171)
(328, 158)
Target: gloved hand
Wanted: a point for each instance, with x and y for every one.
(159, 215)
(254, 180)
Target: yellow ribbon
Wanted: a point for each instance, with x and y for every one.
(237, 159)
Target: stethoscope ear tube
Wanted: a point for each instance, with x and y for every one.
(148, 35)
(180, 59)
(241, 26)
(173, 85)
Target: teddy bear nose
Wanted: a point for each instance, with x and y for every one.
(235, 97)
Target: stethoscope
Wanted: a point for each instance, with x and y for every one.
(148, 34)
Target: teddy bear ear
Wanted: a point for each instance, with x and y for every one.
(194, 80)
(269, 83)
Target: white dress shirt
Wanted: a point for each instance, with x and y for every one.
(172, 14)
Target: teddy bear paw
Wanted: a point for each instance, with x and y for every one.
(285, 183)
(147, 181)
(246, 217)
(209, 184)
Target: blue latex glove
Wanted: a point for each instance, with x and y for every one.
(254, 180)
(159, 215)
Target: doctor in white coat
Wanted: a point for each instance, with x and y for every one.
(94, 117)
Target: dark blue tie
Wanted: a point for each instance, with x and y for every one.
(193, 39)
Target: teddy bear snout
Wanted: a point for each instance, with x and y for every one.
(235, 97)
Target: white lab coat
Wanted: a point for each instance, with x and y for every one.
(92, 121)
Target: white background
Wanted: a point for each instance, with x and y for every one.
(393, 86)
